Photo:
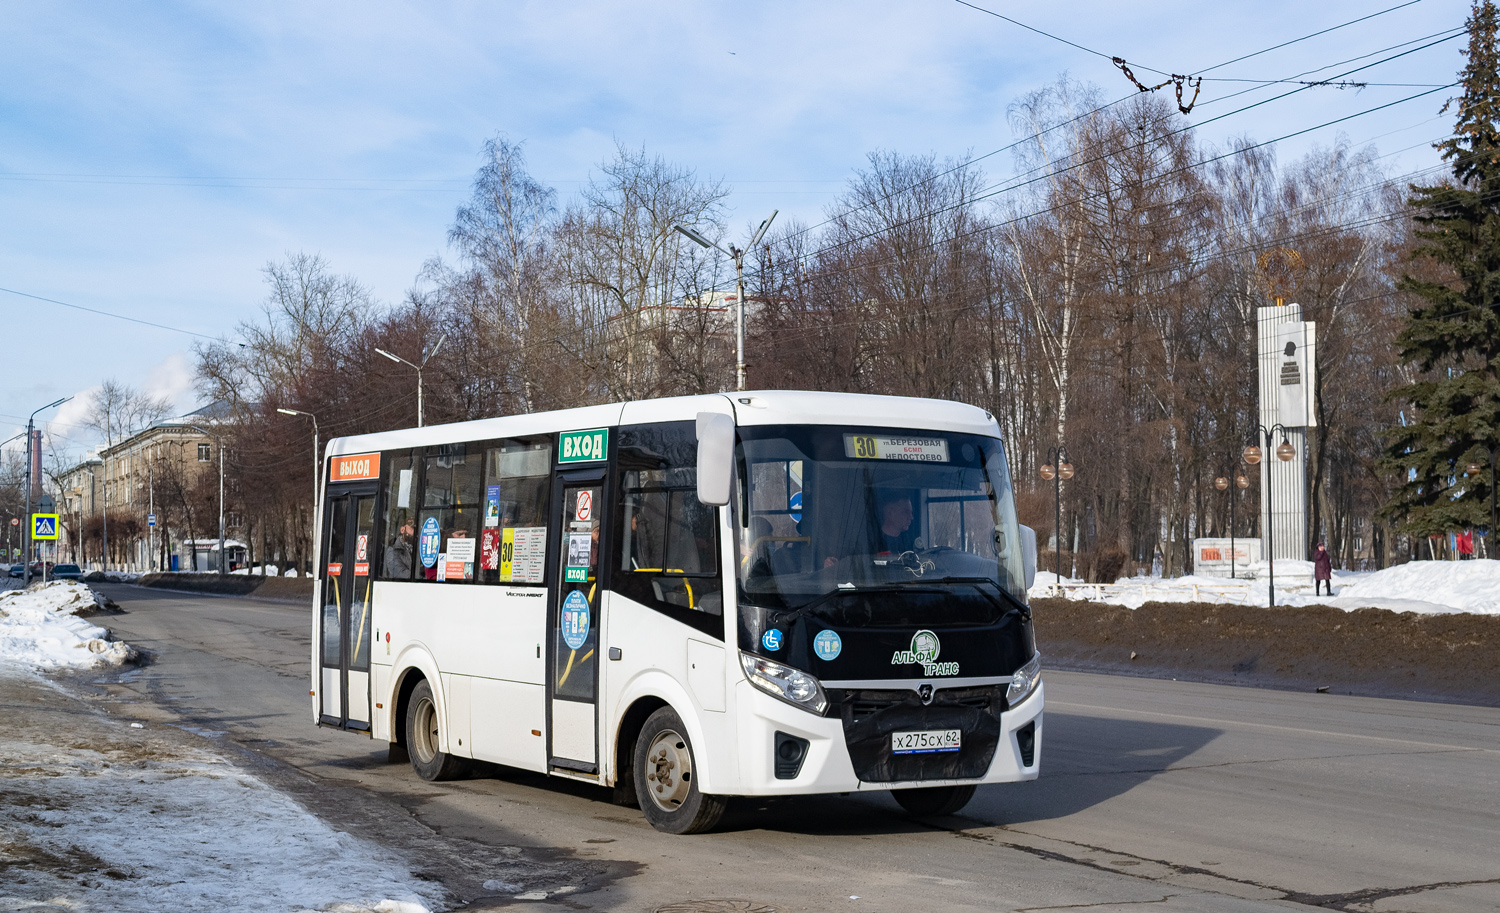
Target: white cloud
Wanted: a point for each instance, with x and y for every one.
(173, 379)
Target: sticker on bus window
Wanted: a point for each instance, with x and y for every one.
(492, 506)
(528, 555)
(428, 544)
(489, 549)
(461, 548)
(575, 620)
(883, 447)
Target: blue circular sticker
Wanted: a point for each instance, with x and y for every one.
(827, 645)
(575, 620)
(772, 640)
(427, 546)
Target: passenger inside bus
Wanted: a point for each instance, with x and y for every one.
(398, 553)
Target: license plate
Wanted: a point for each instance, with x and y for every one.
(933, 740)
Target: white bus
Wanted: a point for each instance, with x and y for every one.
(687, 599)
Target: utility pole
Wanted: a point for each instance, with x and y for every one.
(222, 557)
(738, 256)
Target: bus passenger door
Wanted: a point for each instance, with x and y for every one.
(573, 681)
(345, 626)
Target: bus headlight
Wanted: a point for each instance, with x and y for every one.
(1024, 681)
(791, 685)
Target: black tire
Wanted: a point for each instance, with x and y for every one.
(664, 783)
(933, 801)
(422, 730)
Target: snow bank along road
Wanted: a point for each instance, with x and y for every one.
(1156, 795)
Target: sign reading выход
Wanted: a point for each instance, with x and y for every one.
(354, 467)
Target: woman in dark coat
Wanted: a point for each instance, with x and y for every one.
(1322, 571)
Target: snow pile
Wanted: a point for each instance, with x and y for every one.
(40, 630)
(1466, 586)
(140, 826)
(1427, 587)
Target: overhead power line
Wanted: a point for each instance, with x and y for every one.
(79, 307)
(1446, 33)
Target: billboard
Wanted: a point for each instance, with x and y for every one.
(1211, 557)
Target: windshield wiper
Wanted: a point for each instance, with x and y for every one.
(975, 583)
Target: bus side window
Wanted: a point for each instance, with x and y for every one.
(667, 549)
(399, 554)
(517, 492)
(450, 510)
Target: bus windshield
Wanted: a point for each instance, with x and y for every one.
(825, 509)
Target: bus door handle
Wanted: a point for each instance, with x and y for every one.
(614, 653)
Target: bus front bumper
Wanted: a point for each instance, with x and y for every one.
(826, 764)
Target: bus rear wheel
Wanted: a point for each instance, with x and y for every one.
(933, 801)
(423, 738)
(665, 784)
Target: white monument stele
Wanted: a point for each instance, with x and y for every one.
(1288, 377)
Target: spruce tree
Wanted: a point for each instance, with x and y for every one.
(1453, 337)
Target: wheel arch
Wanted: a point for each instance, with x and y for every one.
(415, 665)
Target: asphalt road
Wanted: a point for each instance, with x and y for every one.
(1155, 795)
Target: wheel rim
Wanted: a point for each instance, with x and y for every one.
(425, 731)
(669, 771)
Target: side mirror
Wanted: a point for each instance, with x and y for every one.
(715, 458)
(1028, 554)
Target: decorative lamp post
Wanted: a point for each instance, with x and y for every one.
(1055, 474)
(1222, 484)
(1253, 455)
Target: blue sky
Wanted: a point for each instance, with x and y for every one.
(154, 157)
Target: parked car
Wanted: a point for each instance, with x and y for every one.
(66, 572)
(17, 570)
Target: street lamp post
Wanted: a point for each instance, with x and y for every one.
(30, 431)
(738, 256)
(1222, 484)
(392, 357)
(1253, 455)
(313, 526)
(1055, 470)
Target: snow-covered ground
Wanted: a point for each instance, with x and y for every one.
(1429, 587)
(39, 629)
(99, 815)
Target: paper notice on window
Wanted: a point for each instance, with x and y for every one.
(885, 447)
(461, 548)
(528, 557)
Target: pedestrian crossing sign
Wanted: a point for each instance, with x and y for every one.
(44, 526)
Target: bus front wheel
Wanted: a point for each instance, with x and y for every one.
(933, 801)
(665, 783)
(422, 738)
